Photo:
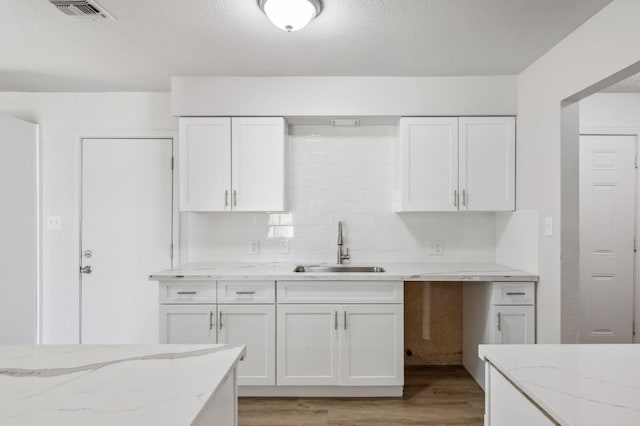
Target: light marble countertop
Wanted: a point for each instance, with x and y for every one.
(393, 272)
(111, 384)
(575, 384)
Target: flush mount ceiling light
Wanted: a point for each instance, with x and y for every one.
(290, 15)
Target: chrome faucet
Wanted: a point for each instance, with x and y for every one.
(341, 256)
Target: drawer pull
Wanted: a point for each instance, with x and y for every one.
(245, 292)
(335, 320)
(345, 320)
(210, 320)
(516, 293)
(499, 321)
(187, 292)
(220, 320)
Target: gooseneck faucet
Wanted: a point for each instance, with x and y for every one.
(342, 256)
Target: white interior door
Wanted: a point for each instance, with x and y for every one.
(19, 218)
(126, 235)
(607, 230)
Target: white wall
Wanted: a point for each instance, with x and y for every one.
(604, 45)
(359, 96)
(340, 174)
(610, 110)
(64, 119)
(517, 240)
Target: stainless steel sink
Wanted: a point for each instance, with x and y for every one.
(337, 268)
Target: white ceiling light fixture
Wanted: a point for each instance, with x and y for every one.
(290, 15)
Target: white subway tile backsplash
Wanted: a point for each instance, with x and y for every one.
(341, 175)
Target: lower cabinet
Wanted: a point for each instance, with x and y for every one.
(253, 326)
(514, 324)
(349, 345)
(187, 324)
(495, 313)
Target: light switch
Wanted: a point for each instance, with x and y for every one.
(548, 226)
(54, 223)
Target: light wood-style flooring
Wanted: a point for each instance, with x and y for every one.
(432, 396)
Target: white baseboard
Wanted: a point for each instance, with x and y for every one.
(321, 391)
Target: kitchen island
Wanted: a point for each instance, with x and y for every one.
(97, 385)
(562, 384)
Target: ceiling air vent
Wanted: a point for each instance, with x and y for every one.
(82, 9)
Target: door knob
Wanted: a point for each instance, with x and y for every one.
(86, 269)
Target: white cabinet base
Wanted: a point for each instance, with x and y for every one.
(321, 391)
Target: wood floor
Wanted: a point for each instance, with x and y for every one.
(432, 396)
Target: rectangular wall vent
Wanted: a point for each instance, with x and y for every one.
(82, 9)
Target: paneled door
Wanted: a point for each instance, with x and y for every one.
(307, 345)
(487, 163)
(513, 324)
(257, 163)
(188, 324)
(607, 230)
(253, 326)
(372, 348)
(126, 234)
(429, 158)
(205, 164)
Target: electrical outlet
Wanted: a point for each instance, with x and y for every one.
(254, 247)
(284, 246)
(54, 223)
(435, 248)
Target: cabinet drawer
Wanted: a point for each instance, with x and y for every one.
(340, 292)
(513, 293)
(246, 292)
(187, 292)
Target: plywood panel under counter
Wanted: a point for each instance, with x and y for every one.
(443, 345)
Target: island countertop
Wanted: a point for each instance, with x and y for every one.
(111, 384)
(574, 384)
(393, 272)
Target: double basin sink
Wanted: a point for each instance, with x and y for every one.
(338, 268)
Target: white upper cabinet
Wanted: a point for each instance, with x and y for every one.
(257, 167)
(232, 164)
(428, 159)
(487, 163)
(456, 164)
(205, 164)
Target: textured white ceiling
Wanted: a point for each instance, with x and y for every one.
(151, 40)
(629, 85)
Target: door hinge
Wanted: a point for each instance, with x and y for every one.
(171, 251)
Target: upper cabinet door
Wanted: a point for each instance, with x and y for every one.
(428, 164)
(487, 163)
(258, 164)
(205, 164)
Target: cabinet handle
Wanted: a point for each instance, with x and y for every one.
(187, 292)
(245, 292)
(335, 320)
(516, 293)
(235, 198)
(226, 197)
(345, 319)
(455, 198)
(210, 320)
(499, 320)
(220, 320)
(464, 197)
